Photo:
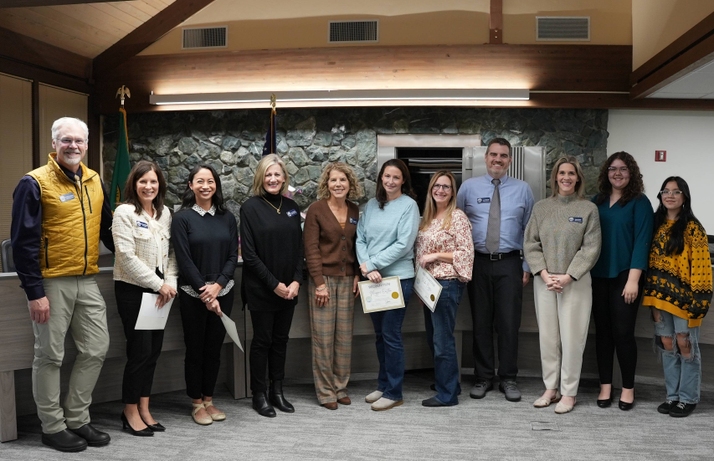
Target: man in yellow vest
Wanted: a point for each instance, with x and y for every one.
(59, 212)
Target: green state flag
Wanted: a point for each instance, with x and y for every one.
(121, 164)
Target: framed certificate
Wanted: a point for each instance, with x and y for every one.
(381, 296)
(427, 288)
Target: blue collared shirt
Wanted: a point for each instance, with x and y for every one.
(474, 198)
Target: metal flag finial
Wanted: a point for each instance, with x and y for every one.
(273, 101)
(122, 93)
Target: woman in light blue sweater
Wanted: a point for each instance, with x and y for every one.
(385, 248)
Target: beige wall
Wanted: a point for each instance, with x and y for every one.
(55, 103)
(16, 148)
(284, 24)
(657, 23)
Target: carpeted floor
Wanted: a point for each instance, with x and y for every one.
(488, 429)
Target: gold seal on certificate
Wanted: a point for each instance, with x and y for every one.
(427, 288)
(381, 296)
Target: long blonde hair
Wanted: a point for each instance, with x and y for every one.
(430, 205)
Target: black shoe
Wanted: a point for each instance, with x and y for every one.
(277, 398)
(682, 410)
(93, 437)
(434, 402)
(433, 388)
(261, 405)
(625, 406)
(604, 403)
(480, 388)
(64, 441)
(145, 432)
(667, 406)
(158, 427)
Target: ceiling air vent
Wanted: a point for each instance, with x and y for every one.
(353, 31)
(563, 28)
(205, 37)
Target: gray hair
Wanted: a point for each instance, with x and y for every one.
(64, 121)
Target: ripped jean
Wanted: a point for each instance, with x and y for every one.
(682, 375)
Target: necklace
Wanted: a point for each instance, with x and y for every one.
(277, 209)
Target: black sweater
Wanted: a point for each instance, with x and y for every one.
(272, 249)
(206, 247)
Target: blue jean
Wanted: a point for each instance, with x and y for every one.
(390, 348)
(682, 375)
(440, 326)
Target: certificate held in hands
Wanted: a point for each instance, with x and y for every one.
(381, 296)
(427, 288)
(150, 316)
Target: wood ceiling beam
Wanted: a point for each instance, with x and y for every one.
(146, 34)
(34, 53)
(495, 23)
(691, 50)
(29, 3)
(600, 68)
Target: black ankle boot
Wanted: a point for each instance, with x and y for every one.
(261, 405)
(277, 399)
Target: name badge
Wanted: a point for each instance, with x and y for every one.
(576, 219)
(67, 197)
(483, 200)
(291, 213)
(142, 225)
(353, 221)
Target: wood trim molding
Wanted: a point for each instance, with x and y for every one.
(24, 70)
(695, 57)
(146, 34)
(683, 44)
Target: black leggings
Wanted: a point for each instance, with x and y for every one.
(615, 328)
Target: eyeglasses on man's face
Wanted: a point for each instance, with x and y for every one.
(673, 193)
(69, 141)
(621, 170)
(446, 187)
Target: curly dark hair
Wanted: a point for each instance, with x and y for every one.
(634, 188)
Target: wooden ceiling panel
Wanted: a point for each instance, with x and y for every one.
(86, 28)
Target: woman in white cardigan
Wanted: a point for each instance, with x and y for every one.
(144, 264)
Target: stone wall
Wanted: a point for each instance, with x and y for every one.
(232, 141)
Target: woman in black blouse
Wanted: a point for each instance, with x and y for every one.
(205, 238)
(271, 241)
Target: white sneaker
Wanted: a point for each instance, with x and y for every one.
(385, 404)
(373, 397)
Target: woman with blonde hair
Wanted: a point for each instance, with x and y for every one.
(444, 248)
(330, 229)
(561, 245)
(272, 248)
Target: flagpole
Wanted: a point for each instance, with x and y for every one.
(122, 164)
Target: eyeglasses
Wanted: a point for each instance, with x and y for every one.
(446, 187)
(674, 193)
(69, 141)
(622, 169)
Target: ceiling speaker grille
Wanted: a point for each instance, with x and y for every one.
(563, 28)
(353, 31)
(205, 37)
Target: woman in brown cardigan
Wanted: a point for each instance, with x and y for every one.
(330, 228)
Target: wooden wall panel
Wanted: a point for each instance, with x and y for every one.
(55, 103)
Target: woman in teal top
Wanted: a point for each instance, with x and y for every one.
(626, 221)
(386, 234)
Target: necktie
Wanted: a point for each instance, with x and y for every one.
(493, 231)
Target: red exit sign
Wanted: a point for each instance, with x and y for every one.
(660, 156)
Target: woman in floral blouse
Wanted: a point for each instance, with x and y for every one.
(444, 248)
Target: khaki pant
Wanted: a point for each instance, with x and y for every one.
(75, 305)
(331, 327)
(563, 321)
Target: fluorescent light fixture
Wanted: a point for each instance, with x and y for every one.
(342, 97)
